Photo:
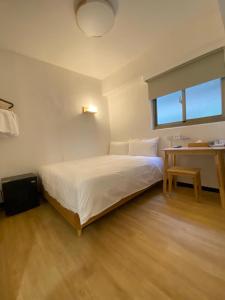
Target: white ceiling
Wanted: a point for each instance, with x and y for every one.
(46, 30)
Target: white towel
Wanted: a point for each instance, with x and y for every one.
(8, 123)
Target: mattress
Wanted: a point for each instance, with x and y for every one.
(89, 186)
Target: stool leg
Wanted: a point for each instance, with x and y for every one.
(170, 183)
(199, 183)
(196, 187)
(175, 181)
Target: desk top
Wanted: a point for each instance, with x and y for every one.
(194, 149)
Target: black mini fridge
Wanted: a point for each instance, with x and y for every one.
(20, 193)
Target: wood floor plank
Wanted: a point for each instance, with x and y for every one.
(154, 247)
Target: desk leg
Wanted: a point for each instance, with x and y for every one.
(219, 159)
(165, 176)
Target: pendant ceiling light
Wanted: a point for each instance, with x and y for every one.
(95, 17)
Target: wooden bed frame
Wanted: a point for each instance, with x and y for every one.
(73, 218)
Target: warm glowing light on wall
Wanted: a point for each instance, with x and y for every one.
(90, 109)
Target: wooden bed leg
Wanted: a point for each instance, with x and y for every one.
(79, 232)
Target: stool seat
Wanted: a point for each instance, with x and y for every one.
(183, 171)
(189, 172)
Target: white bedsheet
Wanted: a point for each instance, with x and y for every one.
(89, 186)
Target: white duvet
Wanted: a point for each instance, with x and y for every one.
(89, 186)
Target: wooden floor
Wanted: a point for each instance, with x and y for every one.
(151, 248)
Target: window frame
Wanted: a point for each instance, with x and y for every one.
(185, 122)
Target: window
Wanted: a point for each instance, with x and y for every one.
(204, 100)
(201, 103)
(173, 102)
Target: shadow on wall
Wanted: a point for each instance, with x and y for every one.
(89, 137)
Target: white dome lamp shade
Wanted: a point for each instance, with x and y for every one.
(95, 17)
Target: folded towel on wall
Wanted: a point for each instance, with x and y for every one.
(8, 123)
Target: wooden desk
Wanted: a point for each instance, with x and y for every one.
(217, 152)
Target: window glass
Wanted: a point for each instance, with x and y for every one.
(204, 100)
(169, 108)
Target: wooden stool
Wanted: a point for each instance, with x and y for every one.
(188, 172)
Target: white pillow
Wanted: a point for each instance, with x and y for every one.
(119, 148)
(144, 147)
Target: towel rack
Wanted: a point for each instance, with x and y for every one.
(11, 105)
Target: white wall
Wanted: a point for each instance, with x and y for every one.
(175, 48)
(221, 4)
(127, 93)
(48, 102)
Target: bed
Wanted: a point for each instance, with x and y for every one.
(86, 189)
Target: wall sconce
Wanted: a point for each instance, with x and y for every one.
(89, 109)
